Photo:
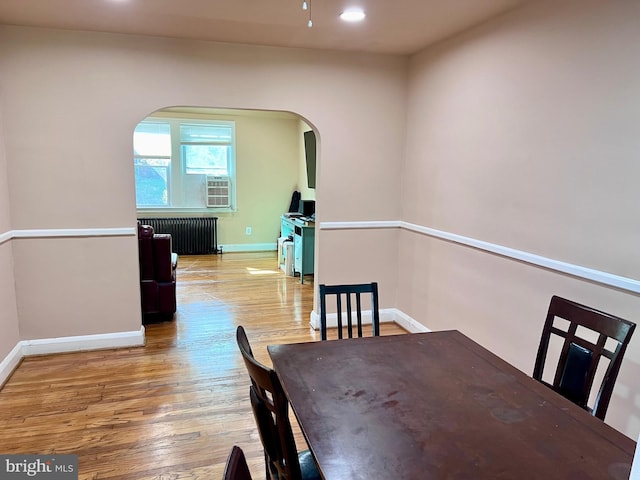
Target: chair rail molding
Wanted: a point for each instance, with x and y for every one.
(67, 232)
(604, 278)
(6, 236)
(585, 273)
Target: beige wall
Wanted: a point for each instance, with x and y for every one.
(359, 244)
(524, 133)
(8, 312)
(5, 216)
(267, 172)
(72, 101)
(76, 286)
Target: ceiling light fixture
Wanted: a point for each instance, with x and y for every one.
(306, 5)
(352, 15)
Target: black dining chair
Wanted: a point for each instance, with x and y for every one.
(236, 467)
(579, 357)
(347, 293)
(271, 411)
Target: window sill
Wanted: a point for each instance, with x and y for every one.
(172, 212)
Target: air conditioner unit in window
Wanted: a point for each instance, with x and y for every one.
(218, 192)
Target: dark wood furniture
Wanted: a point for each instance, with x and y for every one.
(579, 358)
(271, 411)
(346, 293)
(236, 467)
(158, 265)
(438, 405)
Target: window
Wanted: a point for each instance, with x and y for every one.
(152, 160)
(175, 158)
(206, 149)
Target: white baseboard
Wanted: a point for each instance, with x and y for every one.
(10, 362)
(249, 247)
(408, 323)
(46, 346)
(387, 315)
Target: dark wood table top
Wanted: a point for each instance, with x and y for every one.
(438, 405)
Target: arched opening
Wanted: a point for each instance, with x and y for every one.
(257, 159)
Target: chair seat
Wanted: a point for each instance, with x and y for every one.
(308, 466)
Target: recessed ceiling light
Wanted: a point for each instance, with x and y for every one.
(352, 15)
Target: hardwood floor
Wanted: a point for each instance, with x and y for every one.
(173, 408)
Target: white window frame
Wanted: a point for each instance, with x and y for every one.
(177, 168)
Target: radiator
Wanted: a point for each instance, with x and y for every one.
(189, 236)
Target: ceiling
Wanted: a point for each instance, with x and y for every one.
(391, 26)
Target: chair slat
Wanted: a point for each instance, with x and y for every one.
(579, 358)
(355, 290)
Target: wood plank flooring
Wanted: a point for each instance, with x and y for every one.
(173, 408)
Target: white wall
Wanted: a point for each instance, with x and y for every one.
(525, 133)
(72, 100)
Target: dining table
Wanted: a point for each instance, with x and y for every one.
(438, 405)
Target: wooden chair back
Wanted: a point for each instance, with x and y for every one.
(236, 467)
(579, 357)
(271, 411)
(347, 293)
